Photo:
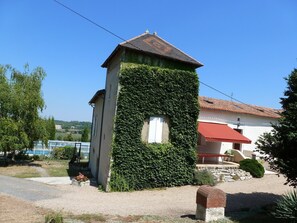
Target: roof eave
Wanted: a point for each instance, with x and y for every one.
(96, 95)
(114, 52)
(196, 64)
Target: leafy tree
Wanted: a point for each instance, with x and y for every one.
(281, 142)
(12, 136)
(85, 135)
(20, 103)
(51, 128)
(69, 137)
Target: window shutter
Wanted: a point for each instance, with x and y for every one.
(159, 128)
(155, 130)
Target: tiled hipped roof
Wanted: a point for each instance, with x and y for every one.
(154, 45)
(231, 106)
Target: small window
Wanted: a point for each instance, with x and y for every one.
(208, 101)
(261, 110)
(155, 130)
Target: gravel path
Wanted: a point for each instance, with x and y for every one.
(176, 202)
(28, 190)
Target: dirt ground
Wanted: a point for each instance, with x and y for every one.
(14, 210)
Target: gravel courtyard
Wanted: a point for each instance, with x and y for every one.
(176, 202)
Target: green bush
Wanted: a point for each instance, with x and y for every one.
(64, 153)
(286, 207)
(204, 177)
(253, 166)
(21, 155)
(69, 151)
(36, 157)
(118, 183)
(147, 91)
(54, 218)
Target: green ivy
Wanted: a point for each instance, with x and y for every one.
(151, 60)
(149, 91)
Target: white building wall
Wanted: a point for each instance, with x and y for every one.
(111, 88)
(252, 127)
(96, 133)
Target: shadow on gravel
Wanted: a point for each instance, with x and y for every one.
(242, 201)
(251, 207)
(189, 216)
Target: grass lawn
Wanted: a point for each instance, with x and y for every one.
(20, 171)
(45, 168)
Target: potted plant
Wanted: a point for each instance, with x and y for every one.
(80, 180)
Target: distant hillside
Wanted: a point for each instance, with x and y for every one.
(73, 125)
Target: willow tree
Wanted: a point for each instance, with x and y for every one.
(281, 142)
(21, 102)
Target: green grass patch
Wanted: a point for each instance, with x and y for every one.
(27, 175)
(57, 172)
(89, 218)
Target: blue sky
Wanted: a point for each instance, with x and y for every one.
(247, 47)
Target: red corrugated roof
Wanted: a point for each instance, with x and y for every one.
(214, 132)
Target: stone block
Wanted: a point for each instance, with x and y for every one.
(209, 214)
(210, 197)
(211, 203)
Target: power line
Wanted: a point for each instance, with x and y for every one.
(96, 24)
(121, 38)
(218, 90)
(89, 20)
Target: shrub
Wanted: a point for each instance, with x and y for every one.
(64, 153)
(286, 207)
(21, 155)
(118, 183)
(252, 166)
(69, 151)
(57, 153)
(204, 177)
(54, 218)
(36, 157)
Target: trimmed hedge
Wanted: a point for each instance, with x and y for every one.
(149, 91)
(253, 166)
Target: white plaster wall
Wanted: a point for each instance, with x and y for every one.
(111, 88)
(96, 132)
(252, 127)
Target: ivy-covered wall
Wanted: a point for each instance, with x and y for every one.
(134, 56)
(151, 91)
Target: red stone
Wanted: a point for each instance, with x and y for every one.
(210, 197)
